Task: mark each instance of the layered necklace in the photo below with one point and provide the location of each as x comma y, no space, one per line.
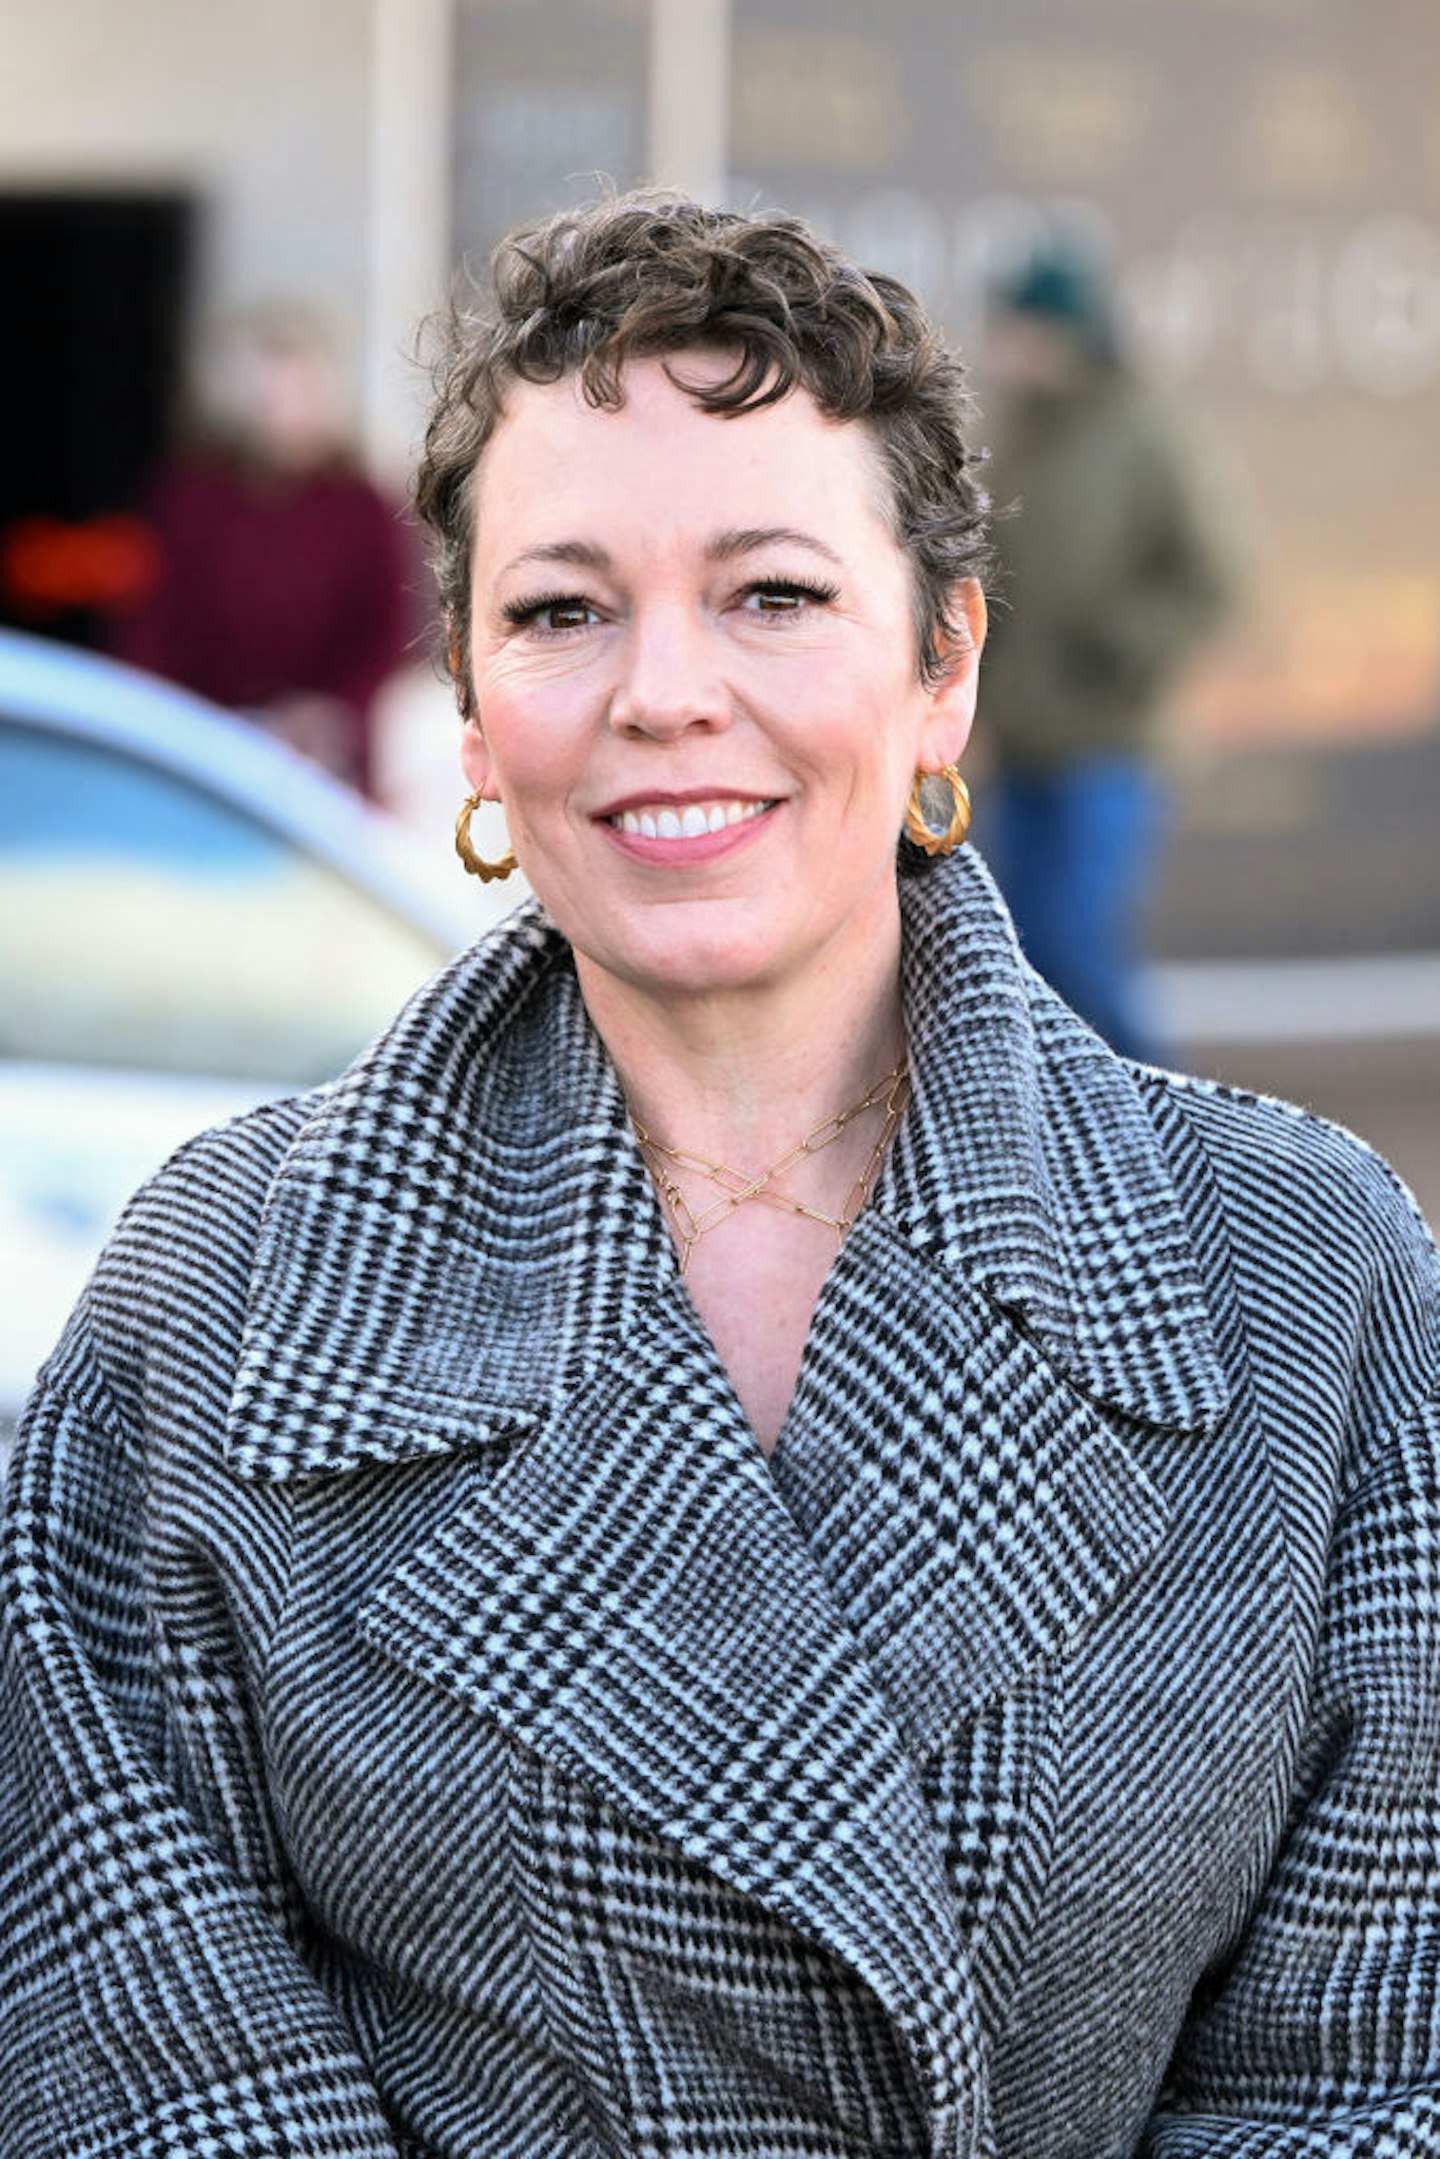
737,1188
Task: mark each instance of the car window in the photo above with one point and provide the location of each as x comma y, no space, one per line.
148,923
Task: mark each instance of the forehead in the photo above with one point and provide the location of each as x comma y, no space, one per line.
554,457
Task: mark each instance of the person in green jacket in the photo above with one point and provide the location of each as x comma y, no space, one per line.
1112,576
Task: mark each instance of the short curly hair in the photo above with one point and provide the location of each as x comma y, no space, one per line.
650,273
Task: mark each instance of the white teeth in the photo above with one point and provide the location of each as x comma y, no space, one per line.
690,822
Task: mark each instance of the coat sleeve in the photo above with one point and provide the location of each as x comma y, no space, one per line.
1321,2037
153,1993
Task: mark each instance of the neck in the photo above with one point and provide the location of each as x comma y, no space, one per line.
742,1075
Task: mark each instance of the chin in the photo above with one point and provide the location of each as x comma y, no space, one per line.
694,962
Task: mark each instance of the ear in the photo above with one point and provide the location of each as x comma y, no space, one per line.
952,700
476,762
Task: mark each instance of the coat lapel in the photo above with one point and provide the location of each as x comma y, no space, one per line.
629,1598
970,1509
1029,1165
461,1230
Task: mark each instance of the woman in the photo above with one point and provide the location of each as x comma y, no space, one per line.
740,1542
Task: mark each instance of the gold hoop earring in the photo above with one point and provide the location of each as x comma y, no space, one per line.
937,815
476,864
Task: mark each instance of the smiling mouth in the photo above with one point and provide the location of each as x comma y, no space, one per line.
688,822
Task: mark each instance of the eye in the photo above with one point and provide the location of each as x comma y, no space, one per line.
784,596
551,613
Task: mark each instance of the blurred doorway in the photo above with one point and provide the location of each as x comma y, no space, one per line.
95,287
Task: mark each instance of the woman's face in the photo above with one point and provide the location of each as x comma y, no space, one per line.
695,677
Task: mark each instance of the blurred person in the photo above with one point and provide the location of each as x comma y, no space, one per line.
1112,574
743,1541
285,583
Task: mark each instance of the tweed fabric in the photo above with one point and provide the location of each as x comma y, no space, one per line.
430,1728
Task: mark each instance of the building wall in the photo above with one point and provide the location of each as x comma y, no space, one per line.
262,110
313,133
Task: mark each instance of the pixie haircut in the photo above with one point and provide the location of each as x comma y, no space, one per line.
646,274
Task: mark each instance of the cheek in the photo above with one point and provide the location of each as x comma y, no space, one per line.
534,711
534,759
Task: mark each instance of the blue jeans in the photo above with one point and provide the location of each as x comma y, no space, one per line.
1073,852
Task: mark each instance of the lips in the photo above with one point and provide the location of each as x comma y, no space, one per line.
687,820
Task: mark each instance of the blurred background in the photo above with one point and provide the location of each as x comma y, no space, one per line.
1259,178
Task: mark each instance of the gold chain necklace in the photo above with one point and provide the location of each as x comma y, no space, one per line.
738,1188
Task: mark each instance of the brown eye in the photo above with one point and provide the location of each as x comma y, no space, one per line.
565,615
784,596
550,613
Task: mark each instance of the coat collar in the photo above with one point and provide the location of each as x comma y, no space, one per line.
1030,1165
463,1227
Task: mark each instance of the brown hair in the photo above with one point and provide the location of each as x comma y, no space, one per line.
650,273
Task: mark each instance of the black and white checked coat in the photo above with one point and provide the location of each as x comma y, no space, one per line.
430,1726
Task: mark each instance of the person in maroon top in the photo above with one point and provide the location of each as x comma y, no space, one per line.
285,588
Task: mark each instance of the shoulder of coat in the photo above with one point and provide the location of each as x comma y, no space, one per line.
1291,1172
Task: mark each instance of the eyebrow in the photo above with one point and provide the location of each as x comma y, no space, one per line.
749,539
724,547
582,554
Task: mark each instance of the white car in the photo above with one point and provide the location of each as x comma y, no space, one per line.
191,919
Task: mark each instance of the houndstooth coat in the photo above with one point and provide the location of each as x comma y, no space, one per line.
431,1727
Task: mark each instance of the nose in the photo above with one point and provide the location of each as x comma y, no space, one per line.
670,676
